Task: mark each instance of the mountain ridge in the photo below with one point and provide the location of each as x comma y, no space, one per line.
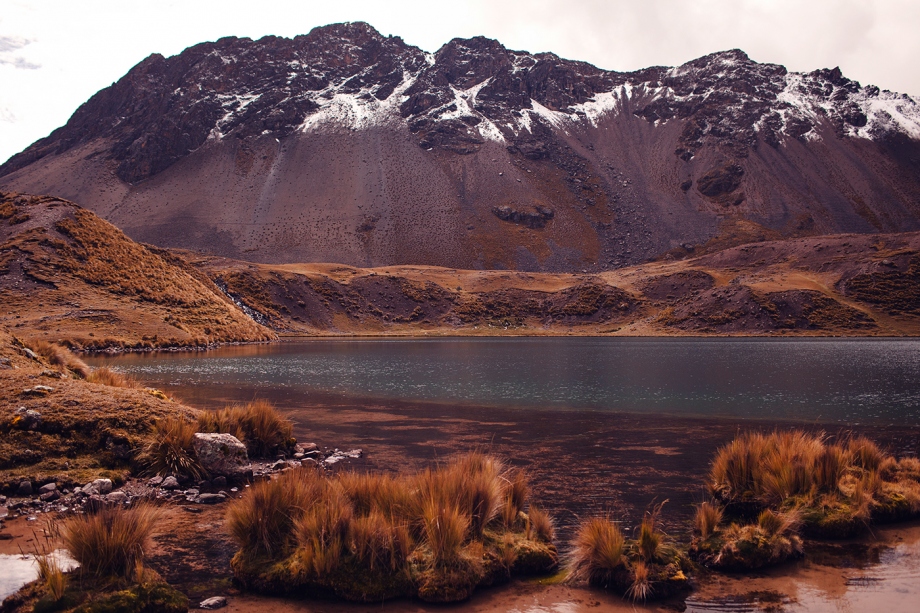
337,141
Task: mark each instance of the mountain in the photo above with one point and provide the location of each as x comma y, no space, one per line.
347,146
67,276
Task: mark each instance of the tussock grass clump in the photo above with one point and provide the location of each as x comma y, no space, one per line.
263,522
839,488
436,534
52,576
61,357
258,424
540,525
640,569
107,376
707,519
171,449
112,543
771,539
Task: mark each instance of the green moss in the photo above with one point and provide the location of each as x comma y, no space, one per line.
145,598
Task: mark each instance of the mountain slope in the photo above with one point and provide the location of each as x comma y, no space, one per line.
347,146
848,285
68,276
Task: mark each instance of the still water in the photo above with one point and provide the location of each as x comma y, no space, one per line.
840,382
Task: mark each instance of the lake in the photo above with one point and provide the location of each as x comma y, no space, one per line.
601,425
831,381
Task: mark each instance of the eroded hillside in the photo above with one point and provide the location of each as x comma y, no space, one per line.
846,284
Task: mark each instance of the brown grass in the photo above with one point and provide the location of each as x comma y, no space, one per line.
540,525
61,357
107,376
445,531
258,424
52,576
707,519
171,449
263,522
111,543
598,550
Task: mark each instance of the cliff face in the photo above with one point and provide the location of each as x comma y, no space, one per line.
347,146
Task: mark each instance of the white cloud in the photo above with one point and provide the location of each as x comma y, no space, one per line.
8,44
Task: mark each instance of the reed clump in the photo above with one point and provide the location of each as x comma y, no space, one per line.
836,489
437,534
643,568
258,424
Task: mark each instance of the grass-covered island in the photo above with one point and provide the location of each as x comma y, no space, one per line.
436,535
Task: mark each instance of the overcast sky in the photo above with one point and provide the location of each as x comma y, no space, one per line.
55,54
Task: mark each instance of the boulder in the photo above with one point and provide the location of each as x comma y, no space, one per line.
169,483
222,455
48,487
98,486
25,488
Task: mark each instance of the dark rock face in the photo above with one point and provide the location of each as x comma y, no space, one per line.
263,147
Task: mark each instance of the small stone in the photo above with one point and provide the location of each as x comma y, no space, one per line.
155,481
50,496
219,482
170,483
117,497
25,488
43,388
211,498
305,447
29,353
216,602
48,487
192,492
26,419
298,456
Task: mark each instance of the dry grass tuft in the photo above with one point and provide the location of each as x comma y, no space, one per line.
445,531
379,543
263,522
61,357
258,424
52,576
111,543
707,519
107,376
540,525
171,450
598,550
641,587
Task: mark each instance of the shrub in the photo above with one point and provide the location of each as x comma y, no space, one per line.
171,450
112,542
